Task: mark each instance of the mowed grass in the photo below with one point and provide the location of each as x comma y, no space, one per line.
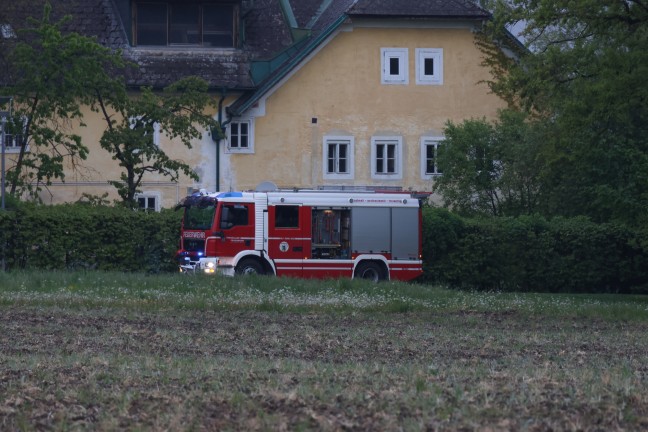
112,351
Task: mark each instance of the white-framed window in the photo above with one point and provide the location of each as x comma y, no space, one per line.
240,136
429,66
12,139
148,201
386,158
338,162
136,122
394,66
429,157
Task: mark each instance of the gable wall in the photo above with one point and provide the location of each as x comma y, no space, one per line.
341,87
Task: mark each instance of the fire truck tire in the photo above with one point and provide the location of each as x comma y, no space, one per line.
249,266
370,270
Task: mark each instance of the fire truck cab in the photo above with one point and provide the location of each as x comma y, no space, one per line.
312,234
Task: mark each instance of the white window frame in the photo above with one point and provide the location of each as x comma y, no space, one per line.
156,130
349,141
250,145
402,56
13,148
398,155
436,54
146,196
426,141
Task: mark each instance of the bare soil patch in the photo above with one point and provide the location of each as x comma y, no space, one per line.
241,370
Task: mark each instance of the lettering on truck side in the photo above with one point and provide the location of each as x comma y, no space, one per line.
194,235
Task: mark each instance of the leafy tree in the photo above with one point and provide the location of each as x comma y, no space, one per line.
585,76
131,122
491,168
55,74
49,70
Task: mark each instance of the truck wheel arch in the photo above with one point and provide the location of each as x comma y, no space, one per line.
262,259
371,269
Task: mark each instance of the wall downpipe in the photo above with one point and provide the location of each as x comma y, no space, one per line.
221,135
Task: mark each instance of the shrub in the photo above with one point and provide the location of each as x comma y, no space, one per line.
528,253
89,237
531,253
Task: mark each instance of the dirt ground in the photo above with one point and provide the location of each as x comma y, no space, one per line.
241,370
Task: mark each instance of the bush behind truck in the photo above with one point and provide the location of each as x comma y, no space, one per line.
509,254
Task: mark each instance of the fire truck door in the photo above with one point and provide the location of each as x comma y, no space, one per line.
289,238
236,229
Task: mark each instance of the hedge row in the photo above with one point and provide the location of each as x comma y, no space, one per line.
88,237
509,254
534,254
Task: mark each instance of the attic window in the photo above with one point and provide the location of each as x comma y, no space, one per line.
6,31
206,24
429,66
394,66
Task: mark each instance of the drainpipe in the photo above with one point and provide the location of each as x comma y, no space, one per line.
223,127
222,131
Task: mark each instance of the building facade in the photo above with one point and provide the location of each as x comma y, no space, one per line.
312,93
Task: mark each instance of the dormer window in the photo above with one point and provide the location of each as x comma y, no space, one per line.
173,23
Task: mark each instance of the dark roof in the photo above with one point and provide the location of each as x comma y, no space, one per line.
417,8
267,35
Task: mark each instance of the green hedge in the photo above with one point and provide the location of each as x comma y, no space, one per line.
534,254
88,237
509,254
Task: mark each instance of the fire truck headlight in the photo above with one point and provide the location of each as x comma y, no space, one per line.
210,265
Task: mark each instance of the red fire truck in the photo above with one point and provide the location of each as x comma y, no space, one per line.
312,234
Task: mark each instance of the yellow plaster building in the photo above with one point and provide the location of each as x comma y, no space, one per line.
313,93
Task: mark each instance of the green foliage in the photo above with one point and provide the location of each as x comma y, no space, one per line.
491,169
50,71
528,253
178,113
89,237
56,73
533,254
586,77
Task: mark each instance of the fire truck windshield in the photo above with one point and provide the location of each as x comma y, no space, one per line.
199,213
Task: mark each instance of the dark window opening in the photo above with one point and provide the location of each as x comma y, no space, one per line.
332,157
386,158
234,215
239,135
338,158
342,162
394,66
177,23
287,216
146,203
428,66
431,159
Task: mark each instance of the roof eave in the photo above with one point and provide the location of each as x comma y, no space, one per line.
423,17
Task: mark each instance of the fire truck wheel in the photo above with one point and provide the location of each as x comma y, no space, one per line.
370,271
249,266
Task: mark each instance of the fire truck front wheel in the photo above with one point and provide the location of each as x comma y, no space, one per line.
249,266
370,270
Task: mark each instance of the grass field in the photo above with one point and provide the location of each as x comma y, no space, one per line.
111,351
